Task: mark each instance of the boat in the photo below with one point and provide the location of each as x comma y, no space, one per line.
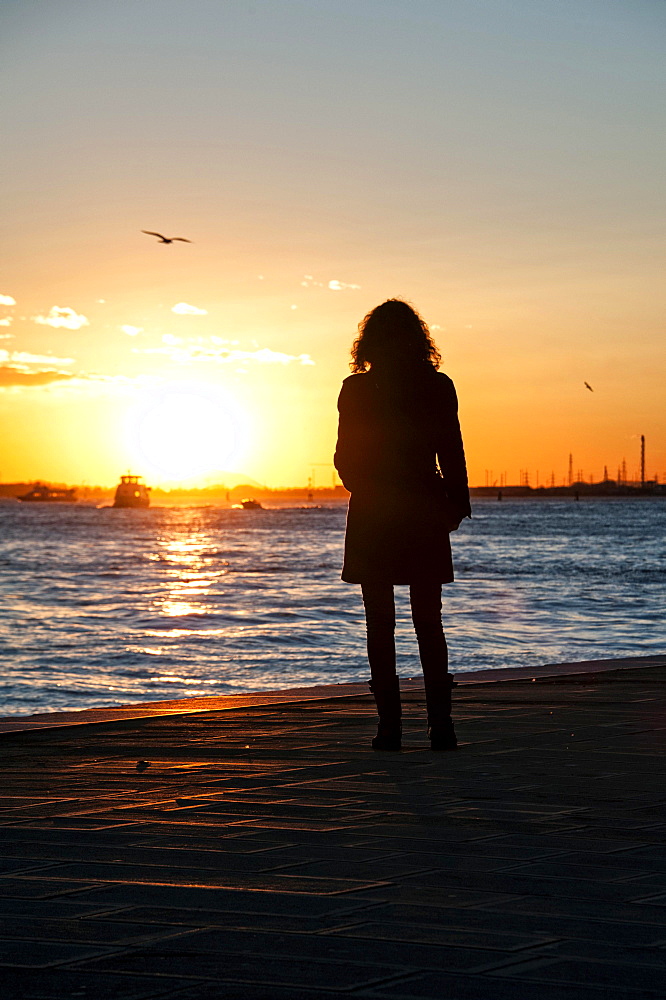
48,494
248,504
131,492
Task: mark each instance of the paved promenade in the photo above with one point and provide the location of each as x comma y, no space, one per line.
266,853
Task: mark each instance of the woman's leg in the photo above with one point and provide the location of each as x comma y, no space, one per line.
380,623
426,601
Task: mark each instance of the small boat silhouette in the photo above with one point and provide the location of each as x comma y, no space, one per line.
248,504
47,494
131,492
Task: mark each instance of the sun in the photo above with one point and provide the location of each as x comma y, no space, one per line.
184,432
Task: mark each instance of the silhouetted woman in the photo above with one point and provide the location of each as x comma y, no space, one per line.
400,454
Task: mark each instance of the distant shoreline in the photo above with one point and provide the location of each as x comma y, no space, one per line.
610,489
220,495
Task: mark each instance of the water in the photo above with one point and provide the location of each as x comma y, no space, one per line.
105,607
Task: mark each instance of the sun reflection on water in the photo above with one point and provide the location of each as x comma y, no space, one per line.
185,552
176,609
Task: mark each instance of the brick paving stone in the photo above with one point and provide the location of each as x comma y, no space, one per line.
656,881
529,864
238,919
264,970
115,932
651,900
41,888
563,844
70,824
506,882
59,908
329,947
631,912
238,900
645,981
556,925
229,845
36,953
474,851
444,936
455,831
327,853
604,951
382,871
654,854
427,897
14,866
237,991
620,871
275,882
438,986
12,837
67,984
146,857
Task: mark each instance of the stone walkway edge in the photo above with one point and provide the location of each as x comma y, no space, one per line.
128,714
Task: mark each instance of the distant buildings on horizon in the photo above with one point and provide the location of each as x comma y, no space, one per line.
606,487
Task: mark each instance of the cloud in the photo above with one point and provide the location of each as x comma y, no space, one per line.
180,351
183,309
17,376
340,286
14,370
24,358
131,331
7,300
7,336
334,285
268,357
62,316
6,321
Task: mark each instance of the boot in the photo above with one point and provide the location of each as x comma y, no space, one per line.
440,725
387,698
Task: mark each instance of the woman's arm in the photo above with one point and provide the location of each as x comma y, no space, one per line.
450,451
347,459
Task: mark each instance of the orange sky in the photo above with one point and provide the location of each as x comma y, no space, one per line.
499,164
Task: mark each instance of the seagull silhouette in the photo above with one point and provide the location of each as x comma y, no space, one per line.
166,239
588,386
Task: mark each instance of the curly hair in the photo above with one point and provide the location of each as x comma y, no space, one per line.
393,332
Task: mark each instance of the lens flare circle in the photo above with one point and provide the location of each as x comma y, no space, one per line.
185,432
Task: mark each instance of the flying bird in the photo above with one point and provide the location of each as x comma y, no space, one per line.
166,239
588,386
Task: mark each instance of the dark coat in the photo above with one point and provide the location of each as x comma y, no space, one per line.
393,432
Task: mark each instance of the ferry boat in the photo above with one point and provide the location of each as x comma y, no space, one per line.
48,494
248,504
131,492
